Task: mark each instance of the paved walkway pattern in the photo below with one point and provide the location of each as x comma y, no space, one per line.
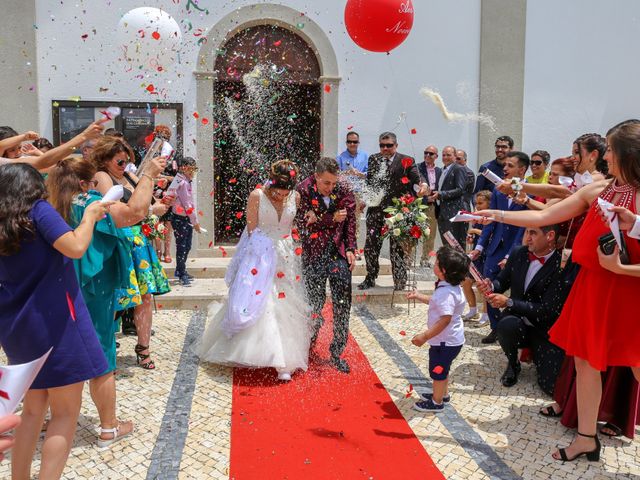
183,410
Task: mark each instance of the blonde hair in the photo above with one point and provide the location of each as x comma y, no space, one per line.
63,183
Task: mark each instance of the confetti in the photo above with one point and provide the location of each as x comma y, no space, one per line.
239,215
72,308
233,180
254,271
403,333
438,369
278,43
413,131
298,251
327,88
281,295
314,235
406,163
84,37
404,180
196,115
150,88
280,274
210,244
258,292
205,121
156,35
409,391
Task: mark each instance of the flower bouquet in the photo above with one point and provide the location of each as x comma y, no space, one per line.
405,220
153,228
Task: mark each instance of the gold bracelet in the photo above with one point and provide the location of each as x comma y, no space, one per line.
148,176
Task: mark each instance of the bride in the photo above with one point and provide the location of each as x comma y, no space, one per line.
265,322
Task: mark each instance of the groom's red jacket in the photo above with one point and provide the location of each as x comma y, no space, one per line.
317,236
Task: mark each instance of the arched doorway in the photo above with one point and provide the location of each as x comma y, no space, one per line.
267,104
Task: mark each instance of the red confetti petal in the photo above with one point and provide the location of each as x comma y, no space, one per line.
432,253
281,295
200,213
239,214
224,252
403,333
404,180
156,35
313,235
205,121
154,110
84,37
233,180
149,138
150,87
297,278
278,43
298,251
228,227
159,305
179,210
406,162
280,274
258,292
350,127
314,202
292,173
189,211
254,271
327,88
413,131
438,369
259,185
211,244
196,115
72,308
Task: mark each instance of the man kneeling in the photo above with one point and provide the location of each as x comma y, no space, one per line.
533,274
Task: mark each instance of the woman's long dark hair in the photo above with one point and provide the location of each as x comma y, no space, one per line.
591,142
624,140
20,186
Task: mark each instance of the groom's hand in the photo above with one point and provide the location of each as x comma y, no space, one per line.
351,258
310,217
340,215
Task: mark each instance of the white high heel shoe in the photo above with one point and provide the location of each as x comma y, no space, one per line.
284,376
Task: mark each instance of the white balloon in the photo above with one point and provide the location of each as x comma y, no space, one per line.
149,38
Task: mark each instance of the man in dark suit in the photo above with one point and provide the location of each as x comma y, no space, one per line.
429,175
449,197
327,222
391,174
503,146
497,239
533,275
461,159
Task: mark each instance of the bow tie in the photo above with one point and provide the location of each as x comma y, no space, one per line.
533,258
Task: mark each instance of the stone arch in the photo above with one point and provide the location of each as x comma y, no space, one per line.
205,75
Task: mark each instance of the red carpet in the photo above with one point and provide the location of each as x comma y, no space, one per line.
322,425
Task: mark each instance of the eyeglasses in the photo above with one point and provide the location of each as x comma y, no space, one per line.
355,142
387,145
429,153
502,147
120,163
536,162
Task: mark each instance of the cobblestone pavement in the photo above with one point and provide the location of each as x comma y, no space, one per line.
489,431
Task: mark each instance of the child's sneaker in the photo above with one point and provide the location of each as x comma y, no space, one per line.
484,319
429,396
428,406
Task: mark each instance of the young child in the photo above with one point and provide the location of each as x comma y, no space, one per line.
445,330
184,218
483,200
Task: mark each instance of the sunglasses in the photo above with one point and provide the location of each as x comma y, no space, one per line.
121,162
429,153
536,162
387,145
353,141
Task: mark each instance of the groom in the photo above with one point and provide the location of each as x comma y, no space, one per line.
326,219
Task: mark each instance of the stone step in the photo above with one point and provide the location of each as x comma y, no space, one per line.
206,290
216,267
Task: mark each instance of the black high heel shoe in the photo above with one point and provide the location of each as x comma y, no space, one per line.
140,357
592,456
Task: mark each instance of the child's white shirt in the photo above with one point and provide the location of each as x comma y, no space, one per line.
447,300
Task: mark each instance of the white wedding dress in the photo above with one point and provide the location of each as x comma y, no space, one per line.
280,334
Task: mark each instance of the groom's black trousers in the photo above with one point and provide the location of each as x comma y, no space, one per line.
334,267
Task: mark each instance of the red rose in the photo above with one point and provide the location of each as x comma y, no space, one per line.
415,231
405,210
404,180
407,162
146,230
384,230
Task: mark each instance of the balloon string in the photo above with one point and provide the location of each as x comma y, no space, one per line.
403,115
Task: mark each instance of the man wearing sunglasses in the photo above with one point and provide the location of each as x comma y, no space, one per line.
389,175
429,174
353,163
503,146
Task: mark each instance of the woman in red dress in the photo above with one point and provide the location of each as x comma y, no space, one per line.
598,323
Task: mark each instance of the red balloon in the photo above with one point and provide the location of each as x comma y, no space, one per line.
378,25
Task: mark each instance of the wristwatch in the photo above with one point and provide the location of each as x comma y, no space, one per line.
509,303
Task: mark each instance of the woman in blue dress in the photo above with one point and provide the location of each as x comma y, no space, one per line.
41,308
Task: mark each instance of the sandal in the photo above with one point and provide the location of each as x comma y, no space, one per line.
168,259
104,443
140,357
549,411
592,455
617,431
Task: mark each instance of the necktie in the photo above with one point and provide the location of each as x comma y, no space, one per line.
533,258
